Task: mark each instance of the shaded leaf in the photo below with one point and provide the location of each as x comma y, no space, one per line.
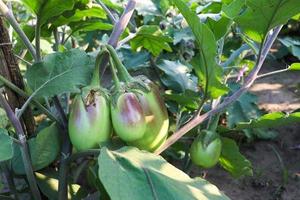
44,148
293,45
151,38
60,72
48,184
6,148
245,109
269,14
143,175
233,161
176,76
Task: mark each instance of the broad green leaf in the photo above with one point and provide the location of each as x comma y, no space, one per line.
263,15
293,45
270,120
207,70
233,8
219,27
295,66
188,99
46,9
48,184
233,161
151,38
177,76
132,174
60,72
79,15
6,148
44,149
90,25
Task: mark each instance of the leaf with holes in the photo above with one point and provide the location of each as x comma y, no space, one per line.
132,174
60,72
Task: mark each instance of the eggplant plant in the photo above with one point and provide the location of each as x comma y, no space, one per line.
115,90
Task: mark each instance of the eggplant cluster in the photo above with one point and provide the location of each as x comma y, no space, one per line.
134,110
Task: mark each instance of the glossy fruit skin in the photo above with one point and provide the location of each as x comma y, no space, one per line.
128,117
205,151
89,125
156,116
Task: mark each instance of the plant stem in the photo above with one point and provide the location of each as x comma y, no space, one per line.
90,152
38,40
24,148
11,19
109,13
114,74
66,152
272,73
125,76
248,82
10,180
122,23
23,94
96,75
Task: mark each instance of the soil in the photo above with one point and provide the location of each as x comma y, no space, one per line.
276,164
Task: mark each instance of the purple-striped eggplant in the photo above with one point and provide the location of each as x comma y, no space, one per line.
128,117
154,111
89,121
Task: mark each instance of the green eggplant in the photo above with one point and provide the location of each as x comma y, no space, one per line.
89,121
128,117
156,116
153,107
206,149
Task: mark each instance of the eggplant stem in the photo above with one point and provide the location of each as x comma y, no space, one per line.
124,75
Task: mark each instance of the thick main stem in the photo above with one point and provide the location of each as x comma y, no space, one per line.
24,148
198,119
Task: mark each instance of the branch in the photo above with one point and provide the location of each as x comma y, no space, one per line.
4,10
23,94
122,23
248,82
24,148
273,73
118,30
66,152
109,13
